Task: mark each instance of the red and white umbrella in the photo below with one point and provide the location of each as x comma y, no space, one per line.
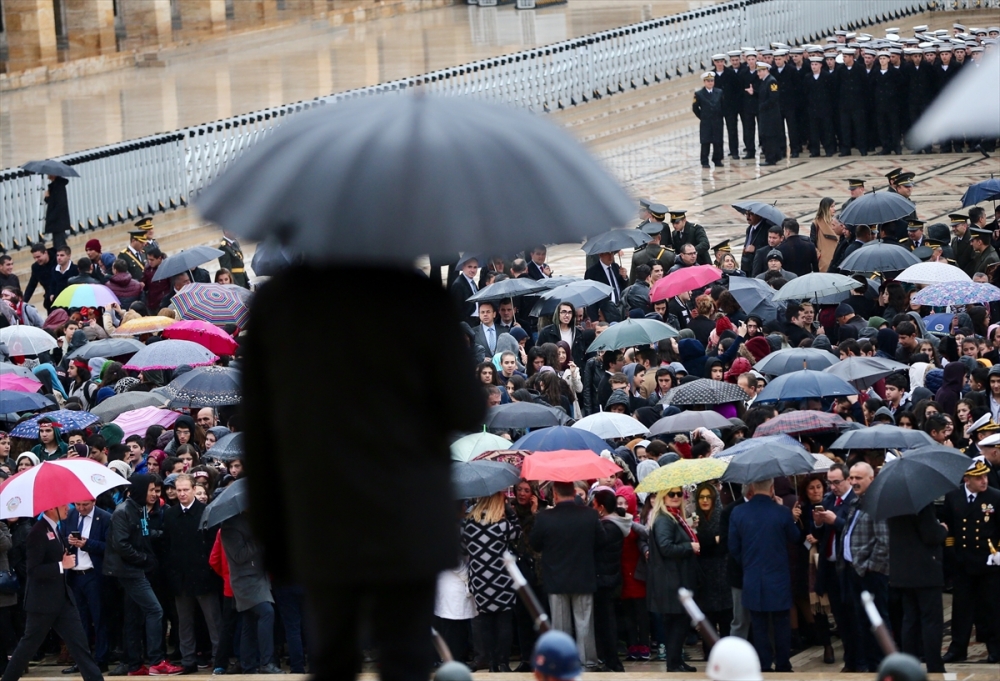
54,483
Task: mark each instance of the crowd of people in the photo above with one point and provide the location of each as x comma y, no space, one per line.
787,97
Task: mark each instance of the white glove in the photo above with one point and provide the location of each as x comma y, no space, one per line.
994,559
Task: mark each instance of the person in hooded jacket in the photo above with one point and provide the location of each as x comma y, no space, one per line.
608,560
123,285
950,391
692,354
635,548
886,343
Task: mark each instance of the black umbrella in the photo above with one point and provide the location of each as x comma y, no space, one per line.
184,261
773,461
50,167
760,209
704,391
864,372
227,448
231,501
270,258
915,479
688,421
315,180
882,436
877,208
107,347
474,479
615,240
114,406
508,288
211,386
524,415
795,359
877,256
578,294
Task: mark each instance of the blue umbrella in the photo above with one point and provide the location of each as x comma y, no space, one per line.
270,258
956,293
800,385
987,190
939,323
15,400
561,437
67,420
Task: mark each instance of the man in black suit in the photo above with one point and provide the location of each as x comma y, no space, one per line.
48,599
756,239
86,531
970,513
608,272
769,121
463,287
568,536
708,107
832,520
799,253
537,268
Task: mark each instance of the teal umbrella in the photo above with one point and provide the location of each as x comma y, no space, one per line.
469,447
631,333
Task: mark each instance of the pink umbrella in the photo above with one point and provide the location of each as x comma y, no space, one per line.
204,334
19,383
136,422
685,279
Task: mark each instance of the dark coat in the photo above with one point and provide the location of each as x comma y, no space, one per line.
759,534
729,83
597,272
713,593
129,551
708,107
734,571
671,566
460,291
971,529
789,88
691,234
816,93
550,334
247,575
41,275
887,88
852,85
47,589
799,255
57,207
96,544
187,549
758,240
429,400
608,560
769,108
915,550
748,78
568,536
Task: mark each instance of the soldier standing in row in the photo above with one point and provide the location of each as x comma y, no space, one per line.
727,80
749,84
708,107
852,89
772,130
886,85
789,83
816,89
232,259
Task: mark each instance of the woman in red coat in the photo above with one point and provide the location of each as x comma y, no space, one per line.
634,552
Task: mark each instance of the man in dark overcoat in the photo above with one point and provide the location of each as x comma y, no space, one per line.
772,129
708,107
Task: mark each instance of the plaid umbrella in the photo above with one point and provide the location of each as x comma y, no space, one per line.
205,387
800,422
170,354
64,419
956,293
214,303
682,473
137,421
115,405
143,325
704,391
85,295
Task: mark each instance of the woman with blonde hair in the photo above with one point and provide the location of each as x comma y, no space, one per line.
491,528
825,232
673,546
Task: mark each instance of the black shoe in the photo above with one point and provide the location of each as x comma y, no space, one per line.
682,667
828,657
993,659
705,165
749,157
769,163
735,157
524,667
953,657
120,670
864,153
270,668
72,669
847,670
813,155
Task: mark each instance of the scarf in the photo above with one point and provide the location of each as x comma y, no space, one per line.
679,517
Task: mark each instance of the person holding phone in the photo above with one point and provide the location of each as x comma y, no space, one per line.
88,531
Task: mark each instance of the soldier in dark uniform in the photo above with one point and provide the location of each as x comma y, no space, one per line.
146,225
749,86
970,513
728,82
684,232
917,90
961,243
790,94
914,238
819,108
857,189
901,183
772,130
132,254
708,106
985,254
886,88
654,251
232,259
939,240
852,97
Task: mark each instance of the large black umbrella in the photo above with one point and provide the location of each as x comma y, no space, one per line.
211,386
107,347
762,463
185,261
882,436
915,479
864,372
474,479
332,183
270,258
508,288
877,208
578,293
878,256
760,209
50,167
795,359
231,501
524,415
615,240
704,391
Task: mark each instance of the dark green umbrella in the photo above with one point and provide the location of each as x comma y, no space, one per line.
474,479
631,333
232,501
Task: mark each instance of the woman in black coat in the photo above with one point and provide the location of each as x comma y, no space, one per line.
673,546
57,211
713,595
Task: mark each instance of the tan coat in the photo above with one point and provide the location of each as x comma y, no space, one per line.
826,242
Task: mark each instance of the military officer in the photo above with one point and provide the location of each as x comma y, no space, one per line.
901,183
819,107
232,259
643,213
914,238
749,86
887,88
772,129
653,251
133,253
970,513
857,189
684,232
789,84
708,107
728,81
852,92
146,225
985,254
960,243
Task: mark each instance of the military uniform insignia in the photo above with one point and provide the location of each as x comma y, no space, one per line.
987,511
774,87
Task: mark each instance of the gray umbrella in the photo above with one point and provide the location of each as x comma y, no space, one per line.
170,354
524,415
474,479
918,477
864,372
205,387
631,333
763,463
270,258
794,359
750,292
764,210
50,167
877,208
16,369
615,240
688,421
509,288
436,160
816,285
186,260
231,501
111,408
882,436
578,293
228,447
107,347
877,256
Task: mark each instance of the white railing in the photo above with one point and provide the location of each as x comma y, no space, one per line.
120,182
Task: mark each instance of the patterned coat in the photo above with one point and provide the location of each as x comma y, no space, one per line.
485,546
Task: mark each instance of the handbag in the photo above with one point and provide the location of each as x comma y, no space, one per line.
9,583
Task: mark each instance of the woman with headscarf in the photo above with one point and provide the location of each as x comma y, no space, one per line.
713,593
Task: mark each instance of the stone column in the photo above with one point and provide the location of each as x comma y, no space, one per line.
147,20
204,15
90,26
31,31
255,12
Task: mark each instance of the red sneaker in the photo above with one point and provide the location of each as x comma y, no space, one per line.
141,671
165,669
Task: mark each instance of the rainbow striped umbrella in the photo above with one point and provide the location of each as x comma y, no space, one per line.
85,295
217,304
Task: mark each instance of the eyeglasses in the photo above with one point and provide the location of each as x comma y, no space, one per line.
704,496
675,495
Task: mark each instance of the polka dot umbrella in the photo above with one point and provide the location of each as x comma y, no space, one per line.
217,304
